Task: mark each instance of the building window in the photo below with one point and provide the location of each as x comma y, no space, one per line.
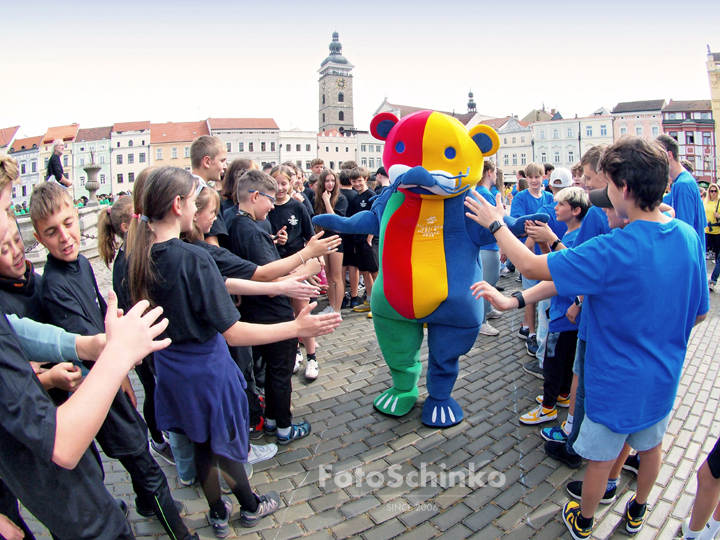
187,151
504,140
556,133
371,163
82,181
522,139
542,133
33,165
131,158
119,159
158,153
241,147
707,141
323,118
514,159
341,116
378,149
287,147
65,161
363,162
689,137
24,191
523,159
337,149
347,149
307,165
143,143
674,135
623,130
514,139
82,162
251,147
22,168
569,132
297,147
571,156
506,160
229,147
173,153
671,116
307,149
655,131
543,157
130,143
262,146
118,144
131,177
638,131
102,159
323,99
341,98
46,162
102,180
556,158
588,131
363,147
603,131
327,149
141,157
378,162
120,178
272,146
299,164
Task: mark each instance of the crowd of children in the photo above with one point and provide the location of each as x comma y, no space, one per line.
229,256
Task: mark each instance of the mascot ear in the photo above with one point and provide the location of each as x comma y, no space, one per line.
486,138
382,124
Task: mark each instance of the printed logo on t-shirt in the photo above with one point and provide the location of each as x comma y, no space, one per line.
293,220
363,203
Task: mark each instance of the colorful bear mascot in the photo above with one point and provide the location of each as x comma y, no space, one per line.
428,255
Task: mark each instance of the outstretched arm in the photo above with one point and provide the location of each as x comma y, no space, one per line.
366,222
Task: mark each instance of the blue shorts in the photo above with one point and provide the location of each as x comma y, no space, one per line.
597,442
527,283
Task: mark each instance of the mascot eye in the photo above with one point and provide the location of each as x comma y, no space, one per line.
450,152
400,147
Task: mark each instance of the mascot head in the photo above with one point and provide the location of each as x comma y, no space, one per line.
451,156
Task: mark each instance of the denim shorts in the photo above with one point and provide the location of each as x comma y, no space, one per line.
597,442
527,283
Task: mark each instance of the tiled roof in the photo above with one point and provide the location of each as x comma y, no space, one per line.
639,106
94,134
704,105
177,132
25,144
496,123
406,109
716,56
242,123
66,133
536,115
121,127
7,134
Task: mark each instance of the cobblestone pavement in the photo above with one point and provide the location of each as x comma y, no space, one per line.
492,389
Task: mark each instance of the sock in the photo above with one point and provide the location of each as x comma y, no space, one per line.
568,425
311,356
523,327
218,510
531,335
270,423
692,535
563,396
584,522
612,484
636,510
714,526
284,431
356,298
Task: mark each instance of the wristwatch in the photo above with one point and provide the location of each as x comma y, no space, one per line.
495,226
520,299
554,244
577,301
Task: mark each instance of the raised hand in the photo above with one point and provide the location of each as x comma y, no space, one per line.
309,325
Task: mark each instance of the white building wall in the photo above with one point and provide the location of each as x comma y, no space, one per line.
299,147
82,157
334,150
262,146
370,151
28,161
129,155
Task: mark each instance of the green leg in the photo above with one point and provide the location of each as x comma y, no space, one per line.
400,343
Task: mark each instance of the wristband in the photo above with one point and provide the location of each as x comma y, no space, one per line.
521,301
303,260
577,301
554,244
495,226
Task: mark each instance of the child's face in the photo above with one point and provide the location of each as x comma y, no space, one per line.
564,212
298,181
359,184
217,166
206,217
284,187
12,253
4,207
329,182
535,182
264,202
594,179
60,233
317,168
188,210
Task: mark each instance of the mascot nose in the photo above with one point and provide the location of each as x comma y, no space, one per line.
417,176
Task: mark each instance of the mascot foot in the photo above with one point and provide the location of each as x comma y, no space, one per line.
441,413
396,402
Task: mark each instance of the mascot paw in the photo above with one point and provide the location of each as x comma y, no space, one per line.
517,225
441,413
396,402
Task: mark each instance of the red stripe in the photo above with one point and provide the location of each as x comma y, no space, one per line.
397,251
410,132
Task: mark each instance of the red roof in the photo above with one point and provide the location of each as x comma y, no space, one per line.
121,127
242,123
94,134
703,105
177,132
7,134
25,144
496,123
65,133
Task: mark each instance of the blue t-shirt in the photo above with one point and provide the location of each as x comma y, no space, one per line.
644,285
489,197
560,304
685,200
524,203
558,227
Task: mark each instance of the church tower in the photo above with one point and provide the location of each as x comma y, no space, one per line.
336,90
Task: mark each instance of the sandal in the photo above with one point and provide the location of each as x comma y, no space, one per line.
297,431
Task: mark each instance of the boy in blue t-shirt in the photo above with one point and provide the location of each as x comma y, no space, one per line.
631,376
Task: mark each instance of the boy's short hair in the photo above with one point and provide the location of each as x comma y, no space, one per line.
46,199
312,179
534,169
592,156
688,166
357,173
348,165
204,145
641,166
254,180
317,161
344,177
577,169
548,167
670,145
9,172
576,197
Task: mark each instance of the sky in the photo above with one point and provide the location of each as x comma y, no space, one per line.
97,63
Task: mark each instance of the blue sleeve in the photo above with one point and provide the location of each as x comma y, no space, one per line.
593,225
581,270
685,205
517,208
44,342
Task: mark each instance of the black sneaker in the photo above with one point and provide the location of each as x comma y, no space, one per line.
558,451
523,333
163,450
632,464
575,491
346,301
149,512
533,368
531,345
267,504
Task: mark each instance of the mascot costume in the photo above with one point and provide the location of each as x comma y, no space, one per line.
428,255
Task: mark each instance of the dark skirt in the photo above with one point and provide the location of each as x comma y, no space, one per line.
201,392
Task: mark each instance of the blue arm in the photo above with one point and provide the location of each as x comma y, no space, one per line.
44,342
481,236
366,222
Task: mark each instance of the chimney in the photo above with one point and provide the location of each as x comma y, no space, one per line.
552,112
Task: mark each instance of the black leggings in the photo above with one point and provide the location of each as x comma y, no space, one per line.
147,379
207,463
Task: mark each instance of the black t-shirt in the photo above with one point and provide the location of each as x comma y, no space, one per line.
308,203
219,229
295,218
360,203
71,503
310,194
22,297
250,240
229,264
349,193
120,285
191,291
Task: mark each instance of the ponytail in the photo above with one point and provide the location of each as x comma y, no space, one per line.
110,223
137,206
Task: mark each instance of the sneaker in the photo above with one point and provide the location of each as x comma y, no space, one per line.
487,330
531,345
518,279
298,360
260,453
270,431
311,371
524,332
494,314
327,311
555,433
538,416
504,271
354,302
712,286
369,315
187,483
221,526
705,534
256,431
150,512
267,504
163,450
362,308
346,301
632,464
633,524
297,431
563,402
558,451
533,368
575,491
571,512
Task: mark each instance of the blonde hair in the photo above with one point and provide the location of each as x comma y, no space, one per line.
534,169
576,197
9,172
205,145
206,197
46,199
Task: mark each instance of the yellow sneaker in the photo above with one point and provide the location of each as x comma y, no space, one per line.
539,415
362,308
561,401
369,315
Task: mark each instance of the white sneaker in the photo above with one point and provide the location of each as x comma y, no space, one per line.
312,371
327,310
298,360
260,453
487,330
494,314
504,271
